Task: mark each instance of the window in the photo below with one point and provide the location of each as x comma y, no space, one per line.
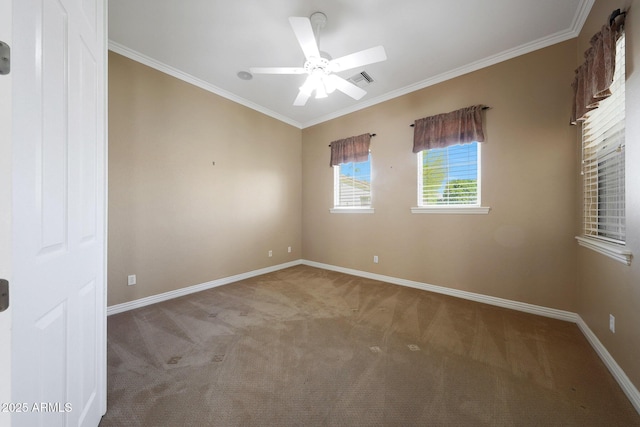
352,185
449,177
603,165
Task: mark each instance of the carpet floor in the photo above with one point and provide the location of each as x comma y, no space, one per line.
310,347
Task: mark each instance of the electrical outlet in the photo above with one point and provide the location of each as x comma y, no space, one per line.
270,254
612,323
375,259
131,279
289,249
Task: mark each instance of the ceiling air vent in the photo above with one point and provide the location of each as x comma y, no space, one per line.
361,79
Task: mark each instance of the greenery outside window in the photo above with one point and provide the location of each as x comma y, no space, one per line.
449,175
449,179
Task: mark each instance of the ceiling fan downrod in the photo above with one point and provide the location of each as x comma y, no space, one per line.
318,22
320,68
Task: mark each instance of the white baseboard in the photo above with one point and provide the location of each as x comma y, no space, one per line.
500,302
623,380
625,383
142,302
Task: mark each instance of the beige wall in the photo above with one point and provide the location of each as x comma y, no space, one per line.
604,285
177,220
523,250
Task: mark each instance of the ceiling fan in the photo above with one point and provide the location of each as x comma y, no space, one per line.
319,67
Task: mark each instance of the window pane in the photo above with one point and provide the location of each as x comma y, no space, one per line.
603,165
449,176
611,209
353,186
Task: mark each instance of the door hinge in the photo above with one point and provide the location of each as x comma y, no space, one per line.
4,295
5,58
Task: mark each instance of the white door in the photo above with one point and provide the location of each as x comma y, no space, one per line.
59,157
5,214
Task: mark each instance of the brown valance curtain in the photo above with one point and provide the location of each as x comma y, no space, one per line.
352,149
594,77
457,127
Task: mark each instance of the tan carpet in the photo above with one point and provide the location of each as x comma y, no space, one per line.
309,347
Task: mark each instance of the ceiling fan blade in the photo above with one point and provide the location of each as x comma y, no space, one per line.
364,57
347,87
301,99
304,33
277,70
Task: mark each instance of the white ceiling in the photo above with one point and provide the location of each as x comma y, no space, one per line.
207,42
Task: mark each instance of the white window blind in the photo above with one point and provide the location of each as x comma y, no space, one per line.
352,184
603,165
449,176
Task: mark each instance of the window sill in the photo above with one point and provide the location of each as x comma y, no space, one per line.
452,210
616,252
352,210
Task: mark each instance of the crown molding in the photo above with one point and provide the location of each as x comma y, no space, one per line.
576,26
174,72
578,21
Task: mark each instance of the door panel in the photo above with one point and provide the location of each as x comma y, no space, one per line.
5,212
58,291
88,178
52,345
51,172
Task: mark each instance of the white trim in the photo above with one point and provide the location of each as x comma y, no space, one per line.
574,31
450,209
352,210
623,380
7,144
473,210
102,369
500,302
174,72
581,16
336,185
616,252
337,208
142,302
561,36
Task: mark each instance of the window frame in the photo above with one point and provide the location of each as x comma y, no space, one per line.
469,209
595,152
363,209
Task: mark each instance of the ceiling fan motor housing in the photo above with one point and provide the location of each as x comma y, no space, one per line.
319,66
313,64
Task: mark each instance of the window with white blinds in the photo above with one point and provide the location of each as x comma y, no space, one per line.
449,176
352,184
603,165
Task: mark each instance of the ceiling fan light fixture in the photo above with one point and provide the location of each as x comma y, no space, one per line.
329,84
309,85
320,91
306,90
319,65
